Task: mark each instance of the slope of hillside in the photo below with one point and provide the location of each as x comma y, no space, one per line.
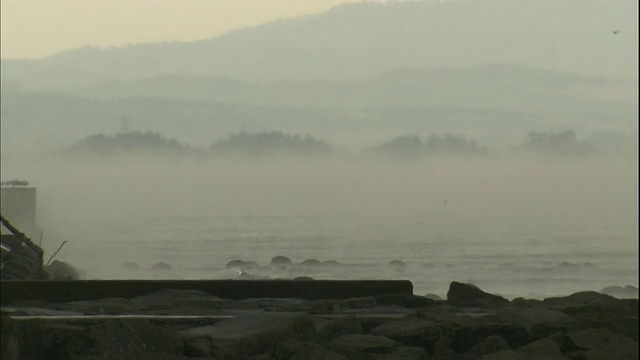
355,41
504,87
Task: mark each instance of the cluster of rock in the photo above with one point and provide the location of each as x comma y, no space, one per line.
469,324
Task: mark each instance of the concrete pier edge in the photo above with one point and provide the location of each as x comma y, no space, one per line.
75,290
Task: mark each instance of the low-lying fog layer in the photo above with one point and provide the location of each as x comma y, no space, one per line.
604,188
469,217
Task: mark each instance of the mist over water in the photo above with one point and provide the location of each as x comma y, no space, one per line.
332,137
514,225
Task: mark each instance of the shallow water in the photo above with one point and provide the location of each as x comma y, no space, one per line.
530,257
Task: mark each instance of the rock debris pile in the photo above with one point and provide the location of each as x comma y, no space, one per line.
470,324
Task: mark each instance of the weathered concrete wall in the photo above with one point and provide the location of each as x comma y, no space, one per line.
72,290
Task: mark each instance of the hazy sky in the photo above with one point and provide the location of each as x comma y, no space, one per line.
37,28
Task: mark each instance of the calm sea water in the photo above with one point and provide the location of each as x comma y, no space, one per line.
529,257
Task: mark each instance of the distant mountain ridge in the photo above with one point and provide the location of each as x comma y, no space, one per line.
506,87
364,40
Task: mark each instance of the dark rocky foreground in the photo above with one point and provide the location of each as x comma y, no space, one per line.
193,324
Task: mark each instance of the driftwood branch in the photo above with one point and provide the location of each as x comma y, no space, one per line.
54,254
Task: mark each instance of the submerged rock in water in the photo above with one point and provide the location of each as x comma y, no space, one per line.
397,264
280,261
241,264
161,266
311,262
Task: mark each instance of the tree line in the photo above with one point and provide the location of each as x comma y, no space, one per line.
264,144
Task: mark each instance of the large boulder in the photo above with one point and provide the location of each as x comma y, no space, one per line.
436,337
470,295
361,346
590,309
403,353
544,349
327,330
600,344
579,298
410,331
489,345
311,262
242,265
161,266
247,335
397,265
529,317
316,352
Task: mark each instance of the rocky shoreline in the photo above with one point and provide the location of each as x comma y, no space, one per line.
190,324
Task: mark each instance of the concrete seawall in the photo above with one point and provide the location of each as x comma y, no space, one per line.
74,290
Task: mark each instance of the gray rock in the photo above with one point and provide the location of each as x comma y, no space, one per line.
403,353
597,344
247,335
529,317
515,334
544,349
161,266
579,298
618,315
522,302
435,337
470,295
489,345
397,264
316,352
311,262
327,330
241,264
280,261
264,356
359,346
235,264
433,297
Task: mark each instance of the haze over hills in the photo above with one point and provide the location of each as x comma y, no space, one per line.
358,74
363,40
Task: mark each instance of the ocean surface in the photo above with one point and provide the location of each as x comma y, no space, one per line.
531,257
